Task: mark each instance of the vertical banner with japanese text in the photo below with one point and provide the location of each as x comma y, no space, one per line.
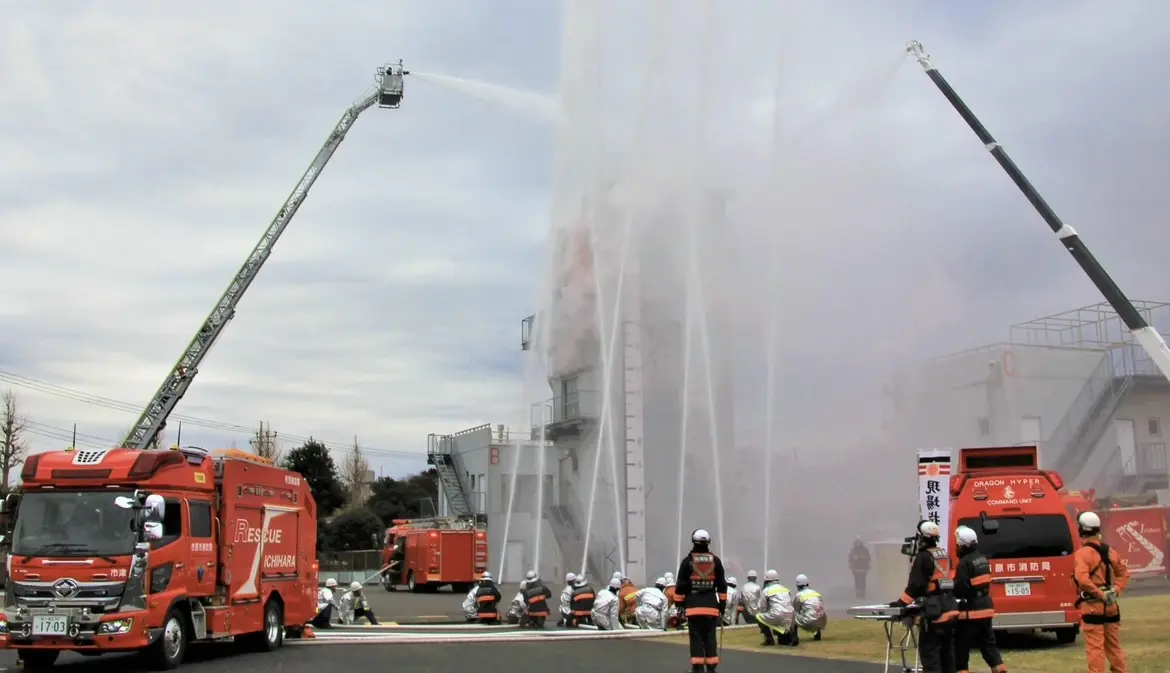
934,490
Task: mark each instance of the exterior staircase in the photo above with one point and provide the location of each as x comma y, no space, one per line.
1146,470
1085,422
447,464
571,540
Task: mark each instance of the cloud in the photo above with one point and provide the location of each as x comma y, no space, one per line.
147,148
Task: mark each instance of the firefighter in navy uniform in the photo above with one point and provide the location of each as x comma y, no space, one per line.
976,609
931,587
536,597
487,601
702,589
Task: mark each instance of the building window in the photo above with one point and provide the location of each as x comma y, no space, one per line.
1155,427
984,426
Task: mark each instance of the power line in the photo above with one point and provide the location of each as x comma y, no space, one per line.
93,441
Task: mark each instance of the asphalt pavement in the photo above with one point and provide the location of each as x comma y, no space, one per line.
559,657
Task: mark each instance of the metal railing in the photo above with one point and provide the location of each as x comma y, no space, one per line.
1102,391
362,565
1148,461
580,405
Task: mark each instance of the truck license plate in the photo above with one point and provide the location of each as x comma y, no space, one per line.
1017,589
50,625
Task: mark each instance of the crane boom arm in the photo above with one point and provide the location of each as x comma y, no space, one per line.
154,418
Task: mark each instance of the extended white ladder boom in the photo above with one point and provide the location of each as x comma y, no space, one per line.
145,433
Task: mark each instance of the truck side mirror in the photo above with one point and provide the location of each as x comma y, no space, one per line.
155,507
152,530
10,503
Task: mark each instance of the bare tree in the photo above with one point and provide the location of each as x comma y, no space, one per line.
264,443
355,474
12,442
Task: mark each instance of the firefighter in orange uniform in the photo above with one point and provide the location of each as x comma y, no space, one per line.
1101,577
628,598
931,586
702,589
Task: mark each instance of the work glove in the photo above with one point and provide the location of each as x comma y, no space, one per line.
897,604
722,607
1110,597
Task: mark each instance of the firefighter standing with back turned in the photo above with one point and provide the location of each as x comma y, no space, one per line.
976,609
1101,576
702,588
931,586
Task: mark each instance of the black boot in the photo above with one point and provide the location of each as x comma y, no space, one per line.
817,636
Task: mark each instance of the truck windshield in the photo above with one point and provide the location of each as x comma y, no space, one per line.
72,523
1029,536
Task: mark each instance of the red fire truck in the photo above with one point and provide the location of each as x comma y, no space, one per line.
1027,533
425,554
123,550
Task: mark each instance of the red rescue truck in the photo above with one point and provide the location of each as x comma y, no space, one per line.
1027,533
425,554
123,550
1138,533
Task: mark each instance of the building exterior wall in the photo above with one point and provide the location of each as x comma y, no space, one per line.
489,468
990,396
1149,411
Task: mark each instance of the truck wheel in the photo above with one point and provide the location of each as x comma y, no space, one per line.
388,582
38,660
167,653
1067,636
410,583
272,637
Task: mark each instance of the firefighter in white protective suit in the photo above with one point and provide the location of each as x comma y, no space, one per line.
470,605
567,598
516,608
354,606
729,611
749,597
777,616
810,608
651,607
326,605
607,609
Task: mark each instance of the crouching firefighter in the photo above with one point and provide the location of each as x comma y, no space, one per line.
1101,576
581,603
976,609
536,596
487,601
702,588
931,586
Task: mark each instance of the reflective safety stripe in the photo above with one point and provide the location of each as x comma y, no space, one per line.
977,614
981,580
486,599
722,597
712,661
698,661
702,612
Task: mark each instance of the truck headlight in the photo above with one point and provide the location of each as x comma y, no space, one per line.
3,626
115,626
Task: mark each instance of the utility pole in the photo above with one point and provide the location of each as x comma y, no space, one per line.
264,442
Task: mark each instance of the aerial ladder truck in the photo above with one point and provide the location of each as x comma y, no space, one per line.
387,94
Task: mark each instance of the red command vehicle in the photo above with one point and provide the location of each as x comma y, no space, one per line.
425,554
1027,533
123,550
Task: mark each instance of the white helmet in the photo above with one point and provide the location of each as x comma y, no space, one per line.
487,576
617,575
752,576
1089,524
700,536
771,576
330,582
731,581
581,580
660,582
929,529
355,586
615,584
669,576
965,537
802,580
569,577
530,575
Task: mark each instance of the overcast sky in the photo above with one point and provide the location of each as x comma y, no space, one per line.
144,148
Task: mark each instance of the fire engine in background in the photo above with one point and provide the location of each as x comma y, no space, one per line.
123,550
1138,533
1027,534
425,554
